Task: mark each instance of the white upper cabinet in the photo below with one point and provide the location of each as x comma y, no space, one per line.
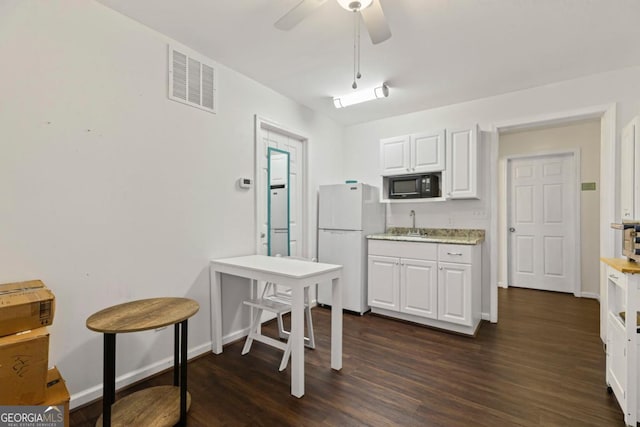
427,151
417,153
462,163
629,178
395,155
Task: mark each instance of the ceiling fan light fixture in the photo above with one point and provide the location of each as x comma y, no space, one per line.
360,96
356,5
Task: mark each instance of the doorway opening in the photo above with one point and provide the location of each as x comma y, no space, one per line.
602,124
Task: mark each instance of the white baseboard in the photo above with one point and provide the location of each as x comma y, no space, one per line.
590,295
95,392
486,316
503,285
236,335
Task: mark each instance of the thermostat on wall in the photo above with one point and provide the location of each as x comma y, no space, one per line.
245,182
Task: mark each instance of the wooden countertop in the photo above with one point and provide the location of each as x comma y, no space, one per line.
142,315
623,265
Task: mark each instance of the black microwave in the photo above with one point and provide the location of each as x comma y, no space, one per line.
414,186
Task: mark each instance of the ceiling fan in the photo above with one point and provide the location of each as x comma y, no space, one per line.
370,10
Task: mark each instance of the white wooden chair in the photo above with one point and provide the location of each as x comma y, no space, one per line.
277,300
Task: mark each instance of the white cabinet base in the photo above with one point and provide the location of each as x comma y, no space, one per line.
433,284
445,326
623,340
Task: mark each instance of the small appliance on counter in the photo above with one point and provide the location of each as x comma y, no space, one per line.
347,214
630,239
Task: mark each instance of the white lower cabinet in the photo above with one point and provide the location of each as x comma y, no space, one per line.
454,293
419,282
616,356
622,336
419,287
384,283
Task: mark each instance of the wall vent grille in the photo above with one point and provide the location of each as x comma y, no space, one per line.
191,80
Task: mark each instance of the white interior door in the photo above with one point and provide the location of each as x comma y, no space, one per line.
542,220
269,137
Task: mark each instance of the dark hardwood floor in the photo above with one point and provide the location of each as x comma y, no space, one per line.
543,364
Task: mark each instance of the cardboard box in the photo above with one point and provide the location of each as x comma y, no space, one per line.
25,306
57,393
24,358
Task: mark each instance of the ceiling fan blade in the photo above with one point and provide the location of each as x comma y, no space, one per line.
297,14
376,23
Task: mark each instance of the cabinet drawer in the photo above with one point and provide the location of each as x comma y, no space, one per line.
617,277
454,253
426,251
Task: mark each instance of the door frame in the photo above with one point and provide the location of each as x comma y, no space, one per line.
506,202
262,123
608,155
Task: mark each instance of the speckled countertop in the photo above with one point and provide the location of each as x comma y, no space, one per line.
458,236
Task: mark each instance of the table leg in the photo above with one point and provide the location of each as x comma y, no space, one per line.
176,354
297,341
336,324
108,378
183,373
253,293
216,312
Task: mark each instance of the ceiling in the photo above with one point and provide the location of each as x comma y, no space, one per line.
441,51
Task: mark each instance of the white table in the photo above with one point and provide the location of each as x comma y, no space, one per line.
297,275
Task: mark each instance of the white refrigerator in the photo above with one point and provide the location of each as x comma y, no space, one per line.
347,213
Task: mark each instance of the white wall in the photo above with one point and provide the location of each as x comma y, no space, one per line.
362,155
585,137
111,192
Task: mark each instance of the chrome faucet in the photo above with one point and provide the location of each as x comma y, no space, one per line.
413,231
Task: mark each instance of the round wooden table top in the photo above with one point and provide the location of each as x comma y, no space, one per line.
142,315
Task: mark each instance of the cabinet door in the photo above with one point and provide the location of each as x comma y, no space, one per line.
454,293
394,155
428,151
616,357
384,287
419,288
462,163
629,151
